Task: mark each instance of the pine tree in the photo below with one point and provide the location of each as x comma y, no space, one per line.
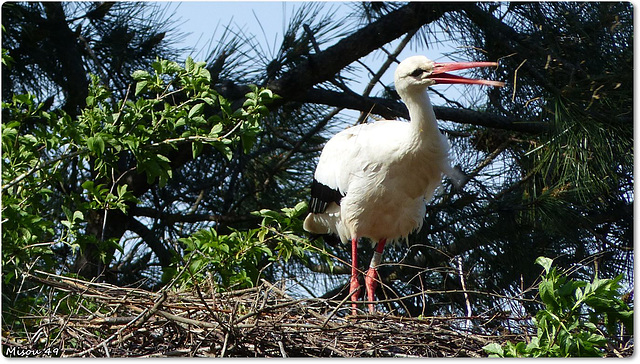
548,158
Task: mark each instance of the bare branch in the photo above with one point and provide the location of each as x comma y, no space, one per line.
392,109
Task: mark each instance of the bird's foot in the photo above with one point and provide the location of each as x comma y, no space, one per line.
371,283
354,289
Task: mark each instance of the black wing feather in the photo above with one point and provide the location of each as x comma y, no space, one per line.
321,196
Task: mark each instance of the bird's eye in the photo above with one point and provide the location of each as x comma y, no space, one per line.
417,72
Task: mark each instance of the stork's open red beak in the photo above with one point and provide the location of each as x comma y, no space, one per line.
440,75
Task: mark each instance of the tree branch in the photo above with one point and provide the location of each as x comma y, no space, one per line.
164,255
72,79
502,32
325,65
392,109
188,218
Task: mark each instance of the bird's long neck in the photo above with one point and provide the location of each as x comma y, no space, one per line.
423,120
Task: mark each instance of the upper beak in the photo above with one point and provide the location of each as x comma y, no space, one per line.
439,74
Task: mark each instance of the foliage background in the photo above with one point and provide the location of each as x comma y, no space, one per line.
122,163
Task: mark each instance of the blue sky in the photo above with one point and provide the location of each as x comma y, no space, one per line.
201,18
204,19
267,21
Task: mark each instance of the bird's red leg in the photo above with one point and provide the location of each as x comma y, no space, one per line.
354,287
371,280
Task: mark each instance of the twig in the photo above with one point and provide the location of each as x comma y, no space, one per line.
140,319
40,166
186,139
464,288
224,346
181,319
391,57
336,309
149,324
281,346
312,38
515,80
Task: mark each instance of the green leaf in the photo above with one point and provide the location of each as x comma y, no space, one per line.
494,349
569,288
225,150
163,158
247,142
215,130
209,101
300,208
518,349
140,75
170,67
196,110
534,344
96,145
30,138
547,294
545,263
196,149
189,64
180,122
87,185
204,73
266,94
224,248
249,102
78,215
141,86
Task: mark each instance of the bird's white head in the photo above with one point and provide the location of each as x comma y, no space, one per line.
418,72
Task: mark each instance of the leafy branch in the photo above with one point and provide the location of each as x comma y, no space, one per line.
87,156
579,318
235,260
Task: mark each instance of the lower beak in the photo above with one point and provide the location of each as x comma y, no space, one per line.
440,75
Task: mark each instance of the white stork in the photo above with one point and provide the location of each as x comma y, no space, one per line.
372,180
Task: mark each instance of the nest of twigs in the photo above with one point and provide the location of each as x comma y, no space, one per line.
111,321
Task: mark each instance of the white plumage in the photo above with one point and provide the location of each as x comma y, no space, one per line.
384,173
372,180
